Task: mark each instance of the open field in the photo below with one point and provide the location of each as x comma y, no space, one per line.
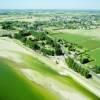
23,18
96,54
83,38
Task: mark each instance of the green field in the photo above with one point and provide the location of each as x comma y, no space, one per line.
88,42
96,54
84,41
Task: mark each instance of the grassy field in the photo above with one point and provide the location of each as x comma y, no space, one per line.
15,86
96,54
82,37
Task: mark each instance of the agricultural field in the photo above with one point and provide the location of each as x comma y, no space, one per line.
83,38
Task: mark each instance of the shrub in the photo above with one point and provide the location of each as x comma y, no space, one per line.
77,67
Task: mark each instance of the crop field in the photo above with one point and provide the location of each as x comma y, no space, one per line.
82,38
84,41
96,54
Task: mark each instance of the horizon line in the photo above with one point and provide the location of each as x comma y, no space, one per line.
44,9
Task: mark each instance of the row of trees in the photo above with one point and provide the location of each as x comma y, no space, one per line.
14,25
78,67
40,41
80,53
84,58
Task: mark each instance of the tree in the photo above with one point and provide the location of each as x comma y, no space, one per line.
58,49
48,51
35,46
84,59
29,43
78,67
7,25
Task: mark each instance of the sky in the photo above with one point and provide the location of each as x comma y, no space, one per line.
50,4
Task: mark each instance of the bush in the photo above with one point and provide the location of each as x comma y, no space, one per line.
77,67
48,51
96,69
7,35
84,60
35,46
